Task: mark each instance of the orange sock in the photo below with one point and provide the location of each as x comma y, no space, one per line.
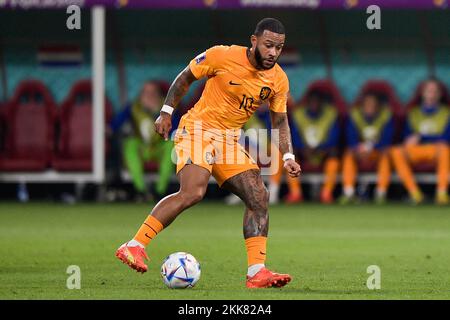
404,170
384,172
443,167
148,231
294,185
276,178
331,170
256,250
349,170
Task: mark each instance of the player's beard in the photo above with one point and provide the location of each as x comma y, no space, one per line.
260,61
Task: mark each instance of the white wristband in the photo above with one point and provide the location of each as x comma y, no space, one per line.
167,109
288,156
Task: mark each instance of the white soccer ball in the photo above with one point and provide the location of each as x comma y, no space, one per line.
180,270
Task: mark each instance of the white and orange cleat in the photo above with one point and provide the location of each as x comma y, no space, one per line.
265,278
133,256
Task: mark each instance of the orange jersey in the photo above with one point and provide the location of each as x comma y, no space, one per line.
234,89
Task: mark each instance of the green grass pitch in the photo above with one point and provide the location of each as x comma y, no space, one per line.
326,249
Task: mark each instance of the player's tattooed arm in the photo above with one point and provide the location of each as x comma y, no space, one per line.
179,87
177,90
283,141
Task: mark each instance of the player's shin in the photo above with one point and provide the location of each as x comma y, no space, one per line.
256,254
147,232
256,227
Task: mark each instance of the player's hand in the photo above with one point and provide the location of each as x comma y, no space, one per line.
364,148
163,125
292,168
412,140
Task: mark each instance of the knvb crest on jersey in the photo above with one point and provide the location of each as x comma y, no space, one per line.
209,158
265,93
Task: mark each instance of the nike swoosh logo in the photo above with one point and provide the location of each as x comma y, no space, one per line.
262,253
234,84
148,236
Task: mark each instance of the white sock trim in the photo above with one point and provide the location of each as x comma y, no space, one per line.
274,191
254,268
349,191
135,243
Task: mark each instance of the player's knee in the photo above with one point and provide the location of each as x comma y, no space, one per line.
191,197
442,147
395,150
260,200
349,152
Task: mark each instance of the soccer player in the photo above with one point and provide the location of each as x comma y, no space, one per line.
318,136
369,134
427,134
240,79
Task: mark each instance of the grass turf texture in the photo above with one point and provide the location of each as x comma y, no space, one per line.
326,249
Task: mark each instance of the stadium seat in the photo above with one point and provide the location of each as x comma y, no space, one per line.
388,96
330,92
415,100
332,96
74,151
2,126
386,92
29,135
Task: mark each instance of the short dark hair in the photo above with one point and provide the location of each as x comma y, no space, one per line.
156,83
270,24
435,80
316,94
376,95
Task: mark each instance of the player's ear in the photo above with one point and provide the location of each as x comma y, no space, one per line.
253,40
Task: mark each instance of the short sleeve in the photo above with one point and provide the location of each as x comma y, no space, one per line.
278,102
207,63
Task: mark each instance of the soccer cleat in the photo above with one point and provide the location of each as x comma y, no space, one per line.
291,198
344,200
380,198
265,278
416,198
133,257
442,198
326,197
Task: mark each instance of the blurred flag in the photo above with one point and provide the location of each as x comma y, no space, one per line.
289,57
59,56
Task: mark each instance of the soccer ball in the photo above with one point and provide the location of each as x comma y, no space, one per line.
180,270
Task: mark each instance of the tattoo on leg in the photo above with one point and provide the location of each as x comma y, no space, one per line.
249,186
255,224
